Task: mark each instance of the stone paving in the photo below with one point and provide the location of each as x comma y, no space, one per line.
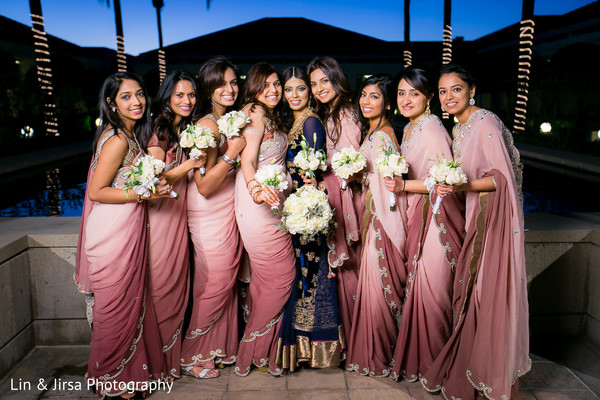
65,366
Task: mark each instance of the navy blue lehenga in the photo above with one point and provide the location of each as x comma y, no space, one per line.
311,330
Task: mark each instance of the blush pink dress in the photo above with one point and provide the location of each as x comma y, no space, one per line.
426,321
168,260
344,242
382,273
213,332
272,263
489,347
125,344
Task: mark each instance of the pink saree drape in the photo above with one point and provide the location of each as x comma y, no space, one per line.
168,261
125,343
382,274
433,245
489,346
272,265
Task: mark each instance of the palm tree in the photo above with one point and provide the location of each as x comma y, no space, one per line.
44,68
407,53
121,57
162,65
526,30
447,43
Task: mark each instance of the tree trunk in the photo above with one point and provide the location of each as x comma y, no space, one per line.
121,58
44,68
407,53
526,30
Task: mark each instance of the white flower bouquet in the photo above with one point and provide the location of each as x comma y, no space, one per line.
143,176
272,175
231,123
309,159
196,138
307,213
390,164
445,172
347,162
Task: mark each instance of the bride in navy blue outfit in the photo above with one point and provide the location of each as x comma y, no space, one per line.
311,331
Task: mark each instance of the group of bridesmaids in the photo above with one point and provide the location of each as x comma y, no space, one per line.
189,285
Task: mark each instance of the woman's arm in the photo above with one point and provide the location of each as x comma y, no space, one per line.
214,176
485,184
110,159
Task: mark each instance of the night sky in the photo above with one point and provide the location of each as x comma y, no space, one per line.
91,22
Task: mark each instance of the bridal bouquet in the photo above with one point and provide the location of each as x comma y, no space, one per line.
196,138
346,162
445,172
230,124
143,174
389,164
309,159
307,213
272,175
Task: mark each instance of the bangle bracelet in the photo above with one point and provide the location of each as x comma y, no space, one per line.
403,185
228,160
255,197
249,182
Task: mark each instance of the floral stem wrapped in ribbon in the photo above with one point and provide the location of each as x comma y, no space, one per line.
196,138
390,164
143,176
309,159
231,123
445,172
272,175
347,162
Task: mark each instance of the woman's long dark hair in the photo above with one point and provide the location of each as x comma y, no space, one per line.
385,84
254,85
110,118
211,76
163,115
340,84
287,114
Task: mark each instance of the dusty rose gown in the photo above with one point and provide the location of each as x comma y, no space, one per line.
433,245
125,343
213,333
344,244
382,274
272,263
489,347
168,261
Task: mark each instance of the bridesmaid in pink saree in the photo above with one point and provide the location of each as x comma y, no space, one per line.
433,241
489,347
382,273
212,335
168,258
272,260
125,347
332,90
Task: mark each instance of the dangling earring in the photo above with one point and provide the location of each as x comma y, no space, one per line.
114,109
471,101
427,110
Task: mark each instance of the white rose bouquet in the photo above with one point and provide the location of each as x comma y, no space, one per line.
196,138
346,162
272,175
445,172
390,164
143,176
309,159
307,213
230,124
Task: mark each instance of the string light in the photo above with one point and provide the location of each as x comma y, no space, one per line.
121,58
407,58
447,55
162,65
44,73
526,31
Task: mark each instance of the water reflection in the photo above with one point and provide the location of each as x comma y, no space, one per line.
59,191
